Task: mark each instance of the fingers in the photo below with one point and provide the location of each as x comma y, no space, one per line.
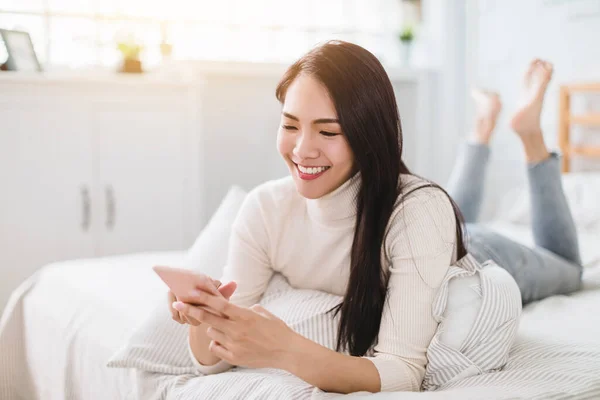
221,352
202,288
218,336
202,315
207,284
197,297
189,320
183,317
220,305
228,289
260,310
175,315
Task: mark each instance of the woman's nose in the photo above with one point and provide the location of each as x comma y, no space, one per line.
305,147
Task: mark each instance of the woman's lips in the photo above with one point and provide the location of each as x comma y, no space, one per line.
309,177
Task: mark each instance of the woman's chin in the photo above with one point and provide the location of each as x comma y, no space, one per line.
309,189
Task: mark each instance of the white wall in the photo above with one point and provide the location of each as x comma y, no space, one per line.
240,118
504,36
443,32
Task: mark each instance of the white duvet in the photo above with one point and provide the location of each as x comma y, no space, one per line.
63,324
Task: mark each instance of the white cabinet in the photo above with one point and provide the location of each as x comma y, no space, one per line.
91,170
140,176
45,179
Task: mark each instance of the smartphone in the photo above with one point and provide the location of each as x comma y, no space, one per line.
181,282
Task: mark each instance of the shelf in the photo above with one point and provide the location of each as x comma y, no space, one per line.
585,151
585,119
583,87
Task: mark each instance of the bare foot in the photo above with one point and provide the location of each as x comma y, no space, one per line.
487,108
526,120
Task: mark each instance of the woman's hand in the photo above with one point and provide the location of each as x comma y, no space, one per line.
225,290
250,337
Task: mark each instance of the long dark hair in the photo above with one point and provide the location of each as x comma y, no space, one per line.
368,114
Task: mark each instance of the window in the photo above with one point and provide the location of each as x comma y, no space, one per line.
78,33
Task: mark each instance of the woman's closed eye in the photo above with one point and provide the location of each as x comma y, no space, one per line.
324,133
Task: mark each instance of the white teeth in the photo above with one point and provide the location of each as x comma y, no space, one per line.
311,170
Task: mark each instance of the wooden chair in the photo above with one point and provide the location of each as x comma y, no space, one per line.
567,119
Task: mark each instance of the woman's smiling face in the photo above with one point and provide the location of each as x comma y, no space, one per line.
311,141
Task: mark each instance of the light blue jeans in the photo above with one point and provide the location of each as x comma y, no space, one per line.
553,266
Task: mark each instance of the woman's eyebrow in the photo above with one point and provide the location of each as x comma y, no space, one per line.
290,116
326,121
316,121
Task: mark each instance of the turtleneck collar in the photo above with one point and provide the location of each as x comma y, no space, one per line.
338,205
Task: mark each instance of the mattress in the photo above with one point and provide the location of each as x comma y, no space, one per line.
65,322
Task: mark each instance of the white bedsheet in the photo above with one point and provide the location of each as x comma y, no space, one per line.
63,324
71,317
589,240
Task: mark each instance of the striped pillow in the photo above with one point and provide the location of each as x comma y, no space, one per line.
455,353
161,345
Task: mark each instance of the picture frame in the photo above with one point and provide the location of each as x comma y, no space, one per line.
20,50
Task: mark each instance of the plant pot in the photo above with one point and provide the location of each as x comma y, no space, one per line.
131,66
405,52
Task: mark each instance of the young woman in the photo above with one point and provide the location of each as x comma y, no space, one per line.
350,220
554,266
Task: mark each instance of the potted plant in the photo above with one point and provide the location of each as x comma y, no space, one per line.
131,56
406,38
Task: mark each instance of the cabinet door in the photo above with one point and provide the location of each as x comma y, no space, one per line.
140,159
45,176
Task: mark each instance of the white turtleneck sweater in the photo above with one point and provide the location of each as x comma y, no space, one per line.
309,242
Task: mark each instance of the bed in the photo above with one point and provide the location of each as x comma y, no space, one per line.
70,317
62,325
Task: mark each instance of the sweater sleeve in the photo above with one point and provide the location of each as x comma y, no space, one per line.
247,263
420,246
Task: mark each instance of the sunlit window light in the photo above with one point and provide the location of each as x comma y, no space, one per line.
80,33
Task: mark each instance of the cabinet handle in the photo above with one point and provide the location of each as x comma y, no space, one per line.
110,207
86,208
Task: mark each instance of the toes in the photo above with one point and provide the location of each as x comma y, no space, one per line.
535,65
549,68
545,65
485,95
546,69
539,70
476,92
532,66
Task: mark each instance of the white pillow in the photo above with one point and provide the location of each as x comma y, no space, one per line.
208,254
159,344
582,191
